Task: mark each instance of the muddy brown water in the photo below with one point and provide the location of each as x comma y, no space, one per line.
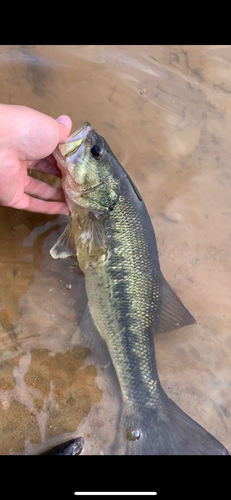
166,113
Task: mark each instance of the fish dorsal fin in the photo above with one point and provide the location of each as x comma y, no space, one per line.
93,235
65,245
173,314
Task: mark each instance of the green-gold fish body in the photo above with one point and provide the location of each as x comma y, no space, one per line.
128,297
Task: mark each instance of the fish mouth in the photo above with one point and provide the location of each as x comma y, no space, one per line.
71,153
71,147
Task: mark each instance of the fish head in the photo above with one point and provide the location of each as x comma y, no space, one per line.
88,170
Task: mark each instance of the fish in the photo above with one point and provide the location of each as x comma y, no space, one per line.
111,235
71,447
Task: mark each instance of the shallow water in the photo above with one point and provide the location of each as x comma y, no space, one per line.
166,113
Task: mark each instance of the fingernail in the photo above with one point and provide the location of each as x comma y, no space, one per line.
65,120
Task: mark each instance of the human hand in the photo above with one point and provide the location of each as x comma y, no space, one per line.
27,140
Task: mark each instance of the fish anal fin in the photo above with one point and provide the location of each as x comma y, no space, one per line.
65,245
173,314
92,339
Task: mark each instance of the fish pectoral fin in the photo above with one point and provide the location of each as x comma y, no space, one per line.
173,314
65,245
93,235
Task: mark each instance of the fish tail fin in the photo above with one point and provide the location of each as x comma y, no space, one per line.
165,430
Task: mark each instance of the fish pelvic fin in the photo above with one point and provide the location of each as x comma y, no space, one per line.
173,314
166,430
65,245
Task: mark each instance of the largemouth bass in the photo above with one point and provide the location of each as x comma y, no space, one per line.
112,236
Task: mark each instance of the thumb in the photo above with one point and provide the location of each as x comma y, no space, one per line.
65,125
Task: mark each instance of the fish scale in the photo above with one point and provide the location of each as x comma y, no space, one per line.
124,307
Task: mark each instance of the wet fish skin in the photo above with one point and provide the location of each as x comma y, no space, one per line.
128,297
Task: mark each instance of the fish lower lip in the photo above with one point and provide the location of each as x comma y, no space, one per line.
79,133
74,141
79,130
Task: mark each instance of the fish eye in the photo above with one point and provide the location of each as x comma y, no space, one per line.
96,151
136,434
133,434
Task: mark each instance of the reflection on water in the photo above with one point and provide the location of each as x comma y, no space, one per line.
166,113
